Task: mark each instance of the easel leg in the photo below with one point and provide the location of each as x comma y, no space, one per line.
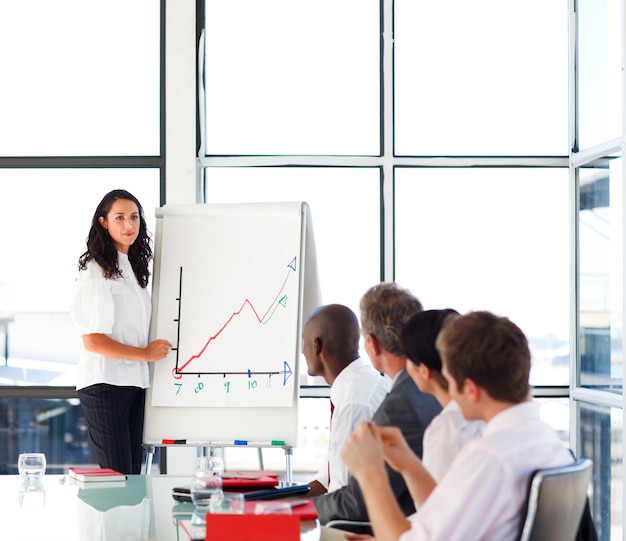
260,453
149,457
288,472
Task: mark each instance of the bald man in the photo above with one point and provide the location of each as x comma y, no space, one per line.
330,344
385,310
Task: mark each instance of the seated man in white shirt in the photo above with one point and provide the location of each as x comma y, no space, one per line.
486,361
330,344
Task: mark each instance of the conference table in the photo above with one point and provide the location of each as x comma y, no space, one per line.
139,509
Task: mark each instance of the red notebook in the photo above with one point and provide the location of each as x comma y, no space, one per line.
87,475
249,479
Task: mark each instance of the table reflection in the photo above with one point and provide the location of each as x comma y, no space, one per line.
32,493
116,511
141,508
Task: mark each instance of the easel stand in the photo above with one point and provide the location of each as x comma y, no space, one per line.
206,450
213,387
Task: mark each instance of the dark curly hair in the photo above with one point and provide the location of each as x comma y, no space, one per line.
100,247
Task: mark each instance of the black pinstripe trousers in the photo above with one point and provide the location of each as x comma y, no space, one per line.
114,417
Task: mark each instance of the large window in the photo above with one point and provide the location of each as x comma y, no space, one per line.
457,86
599,87
80,109
80,78
431,139
491,239
473,79
597,175
80,115
438,158
285,78
42,236
601,438
601,240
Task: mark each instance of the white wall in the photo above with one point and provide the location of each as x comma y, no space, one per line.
180,136
180,105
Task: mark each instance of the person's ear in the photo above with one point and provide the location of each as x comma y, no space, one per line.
426,372
102,222
472,389
374,344
317,346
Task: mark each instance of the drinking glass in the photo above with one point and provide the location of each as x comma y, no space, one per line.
203,488
207,481
31,466
213,464
228,503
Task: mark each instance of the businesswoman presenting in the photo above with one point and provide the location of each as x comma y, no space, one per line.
111,307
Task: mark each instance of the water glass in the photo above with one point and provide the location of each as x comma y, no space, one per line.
213,464
227,503
31,466
206,486
207,481
203,487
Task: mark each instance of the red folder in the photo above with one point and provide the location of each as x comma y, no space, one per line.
252,527
249,479
263,473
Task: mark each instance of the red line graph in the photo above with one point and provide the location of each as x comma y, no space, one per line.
292,268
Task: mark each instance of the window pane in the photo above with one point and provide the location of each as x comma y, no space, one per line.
292,78
493,239
555,412
601,437
347,234
45,217
55,427
600,224
79,78
599,71
481,78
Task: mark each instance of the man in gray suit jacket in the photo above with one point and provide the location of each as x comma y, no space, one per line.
385,309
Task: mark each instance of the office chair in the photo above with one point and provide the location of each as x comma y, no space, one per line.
555,502
354,526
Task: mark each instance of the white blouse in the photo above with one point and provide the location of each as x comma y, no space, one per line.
119,308
444,437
